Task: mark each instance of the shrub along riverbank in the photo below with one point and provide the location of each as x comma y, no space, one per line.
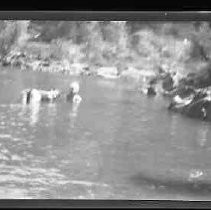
37,56
86,46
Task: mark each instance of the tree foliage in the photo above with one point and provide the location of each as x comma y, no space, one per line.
172,45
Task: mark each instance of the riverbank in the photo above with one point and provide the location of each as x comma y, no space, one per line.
128,50
32,60
39,57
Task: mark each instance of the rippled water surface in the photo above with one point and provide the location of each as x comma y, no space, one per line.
117,144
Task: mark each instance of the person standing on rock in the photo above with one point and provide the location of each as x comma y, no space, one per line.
176,78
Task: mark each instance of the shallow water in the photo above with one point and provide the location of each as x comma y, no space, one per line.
117,144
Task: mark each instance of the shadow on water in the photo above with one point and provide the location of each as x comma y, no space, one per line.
73,114
171,185
203,134
32,112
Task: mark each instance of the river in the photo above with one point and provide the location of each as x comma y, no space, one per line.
117,144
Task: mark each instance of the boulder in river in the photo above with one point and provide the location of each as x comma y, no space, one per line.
183,91
130,73
138,74
149,90
5,63
197,105
200,78
78,68
108,72
168,82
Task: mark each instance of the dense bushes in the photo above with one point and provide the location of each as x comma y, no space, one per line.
173,46
12,34
8,36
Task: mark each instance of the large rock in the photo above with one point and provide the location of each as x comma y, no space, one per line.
149,91
199,106
77,68
108,72
130,73
199,79
182,91
137,74
198,109
168,82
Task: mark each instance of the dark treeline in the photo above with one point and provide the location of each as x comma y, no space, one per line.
178,46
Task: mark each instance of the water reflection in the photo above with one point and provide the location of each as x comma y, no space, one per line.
173,125
73,114
202,134
52,113
52,109
31,110
106,83
34,113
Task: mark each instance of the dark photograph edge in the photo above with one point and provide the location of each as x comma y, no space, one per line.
200,15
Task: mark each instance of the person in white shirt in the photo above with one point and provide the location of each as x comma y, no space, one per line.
73,95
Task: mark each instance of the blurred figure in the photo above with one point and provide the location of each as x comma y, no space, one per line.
31,98
75,99
73,95
36,96
150,89
73,114
203,134
34,113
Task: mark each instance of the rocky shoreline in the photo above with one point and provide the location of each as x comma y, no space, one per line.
32,62
35,62
189,96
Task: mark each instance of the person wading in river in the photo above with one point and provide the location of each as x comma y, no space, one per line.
73,95
37,96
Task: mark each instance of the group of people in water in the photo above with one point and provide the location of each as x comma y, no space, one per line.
186,99
34,98
36,95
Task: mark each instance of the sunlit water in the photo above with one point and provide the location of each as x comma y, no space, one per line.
117,144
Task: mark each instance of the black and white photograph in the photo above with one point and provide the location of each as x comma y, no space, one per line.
105,110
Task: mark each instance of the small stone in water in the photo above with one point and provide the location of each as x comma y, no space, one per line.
195,174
